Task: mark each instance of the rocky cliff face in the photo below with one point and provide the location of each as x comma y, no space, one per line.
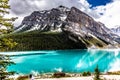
76,24
83,25
47,20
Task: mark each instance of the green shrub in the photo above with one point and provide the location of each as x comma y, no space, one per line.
86,74
89,73
59,74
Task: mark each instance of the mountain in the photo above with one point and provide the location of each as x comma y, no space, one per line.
77,25
46,20
116,30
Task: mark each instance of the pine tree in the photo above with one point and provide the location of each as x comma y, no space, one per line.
6,26
97,73
4,62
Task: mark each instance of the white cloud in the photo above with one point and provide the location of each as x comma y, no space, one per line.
110,17
28,6
111,13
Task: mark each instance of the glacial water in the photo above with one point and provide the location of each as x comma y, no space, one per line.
65,60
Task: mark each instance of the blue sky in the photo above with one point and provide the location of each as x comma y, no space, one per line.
95,3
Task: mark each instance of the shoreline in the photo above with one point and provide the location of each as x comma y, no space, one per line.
13,53
103,77
69,76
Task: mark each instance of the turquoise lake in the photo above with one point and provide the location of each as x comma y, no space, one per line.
65,60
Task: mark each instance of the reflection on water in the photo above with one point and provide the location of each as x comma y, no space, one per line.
66,61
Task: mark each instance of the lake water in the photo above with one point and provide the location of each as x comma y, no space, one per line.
65,60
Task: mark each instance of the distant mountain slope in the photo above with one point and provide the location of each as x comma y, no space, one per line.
116,30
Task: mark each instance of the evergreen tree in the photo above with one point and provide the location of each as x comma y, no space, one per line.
4,62
6,26
97,73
